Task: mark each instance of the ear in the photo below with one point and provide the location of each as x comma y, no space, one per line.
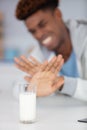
58,13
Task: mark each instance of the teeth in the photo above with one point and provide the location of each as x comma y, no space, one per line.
47,40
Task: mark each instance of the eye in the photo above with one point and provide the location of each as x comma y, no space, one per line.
43,24
32,31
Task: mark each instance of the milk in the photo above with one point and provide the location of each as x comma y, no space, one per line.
27,107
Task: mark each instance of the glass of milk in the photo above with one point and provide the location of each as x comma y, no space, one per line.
27,103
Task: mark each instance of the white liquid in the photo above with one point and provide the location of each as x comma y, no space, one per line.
27,104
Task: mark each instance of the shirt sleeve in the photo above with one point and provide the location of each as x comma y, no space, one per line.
81,89
75,87
70,85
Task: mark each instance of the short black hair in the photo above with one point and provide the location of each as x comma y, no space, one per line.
26,8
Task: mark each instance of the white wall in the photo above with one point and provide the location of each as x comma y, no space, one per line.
74,9
15,32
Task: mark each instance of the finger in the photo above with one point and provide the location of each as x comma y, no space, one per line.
56,64
24,67
30,72
29,64
21,63
34,60
59,66
43,66
27,78
18,61
24,59
59,58
50,64
20,67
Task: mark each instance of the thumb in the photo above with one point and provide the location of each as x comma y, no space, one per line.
58,83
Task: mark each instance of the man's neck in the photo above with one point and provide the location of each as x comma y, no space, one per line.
65,49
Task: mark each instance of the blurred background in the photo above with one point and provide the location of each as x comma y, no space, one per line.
15,40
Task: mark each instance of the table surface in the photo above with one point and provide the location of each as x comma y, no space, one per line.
53,113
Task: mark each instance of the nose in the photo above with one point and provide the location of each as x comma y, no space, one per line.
39,34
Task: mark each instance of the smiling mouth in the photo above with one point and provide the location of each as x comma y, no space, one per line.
47,40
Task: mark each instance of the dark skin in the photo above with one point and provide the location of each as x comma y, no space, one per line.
49,29
62,50
44,24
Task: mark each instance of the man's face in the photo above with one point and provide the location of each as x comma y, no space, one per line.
46,27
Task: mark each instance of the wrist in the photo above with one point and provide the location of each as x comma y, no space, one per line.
61,87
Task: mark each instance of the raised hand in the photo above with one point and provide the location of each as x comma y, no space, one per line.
33,67
25,65
46,78
46,82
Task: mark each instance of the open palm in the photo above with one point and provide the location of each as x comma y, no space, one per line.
46,82
46,78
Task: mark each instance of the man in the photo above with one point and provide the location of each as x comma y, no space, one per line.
44,21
